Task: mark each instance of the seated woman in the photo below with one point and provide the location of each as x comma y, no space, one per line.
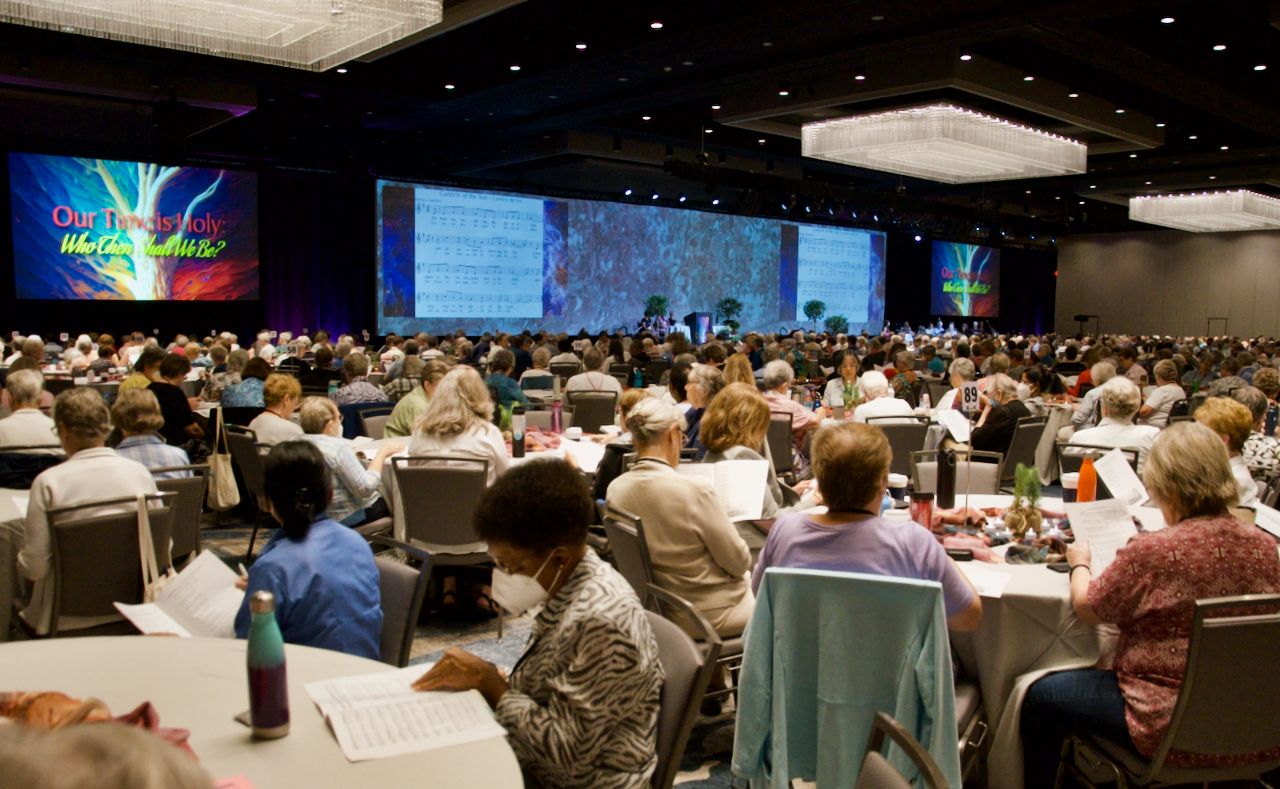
1260,450
282,394
355,488
458,421
226,370
321,573
697,553
999,420
778,376
851,463
905,380
137,414
1155,411
357,389
705,382
842,389
180,424
880,400
581,706
1151,597
1233,423
248,392
410,406
1120,399
538,376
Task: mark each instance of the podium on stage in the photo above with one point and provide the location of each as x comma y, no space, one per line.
699,324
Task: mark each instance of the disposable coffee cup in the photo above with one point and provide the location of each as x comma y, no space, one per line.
1070,482
573,432
898,486
900,515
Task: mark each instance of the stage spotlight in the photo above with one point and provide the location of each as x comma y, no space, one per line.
653,196
682,198
627,192
917,239
715,201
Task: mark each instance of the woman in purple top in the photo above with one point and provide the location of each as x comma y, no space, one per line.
851,464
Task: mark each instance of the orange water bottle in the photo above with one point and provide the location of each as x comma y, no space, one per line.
1088,487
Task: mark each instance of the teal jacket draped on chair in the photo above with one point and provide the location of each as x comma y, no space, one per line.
824,652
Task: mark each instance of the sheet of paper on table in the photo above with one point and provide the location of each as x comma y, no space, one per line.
15,509
740,484
956,423
1267,519
1106,525
989,581
587,453
374,716
1121,479
201,601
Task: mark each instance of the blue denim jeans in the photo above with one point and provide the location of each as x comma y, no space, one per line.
1063,703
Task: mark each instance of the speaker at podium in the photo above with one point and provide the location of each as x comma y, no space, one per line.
699,324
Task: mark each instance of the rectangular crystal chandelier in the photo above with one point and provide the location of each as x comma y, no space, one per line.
1208,212
307,34
943,142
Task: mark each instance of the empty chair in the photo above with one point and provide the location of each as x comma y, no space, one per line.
192,388
373,423
976,472
96,561
1022,448
688,664
905,436
936,388
779,440
653,371
879,773
591,409
1218,712
565,369
247,455
403,587
239,415
537,381
187,506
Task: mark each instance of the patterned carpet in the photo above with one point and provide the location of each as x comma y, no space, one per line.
706,760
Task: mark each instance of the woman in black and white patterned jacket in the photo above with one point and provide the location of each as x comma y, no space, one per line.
581,706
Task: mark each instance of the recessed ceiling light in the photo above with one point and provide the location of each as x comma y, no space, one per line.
1093,186
1260,67
655,25
1073,95
1057,197
715,106
622,79
762,141
1133,156
1148,183
579,46
708,131
878,18
1081,202
1028,191
686,62
646,117
1225,148
784,93
514,67
1193,136
966,57
1168,20
449,86
1219,47
1160,125
344,71
1213,178
766,43
860,77
1028,78
553,97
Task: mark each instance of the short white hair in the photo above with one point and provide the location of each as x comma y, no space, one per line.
1121,398
1004,385
25,387
874,384
777,373
963,367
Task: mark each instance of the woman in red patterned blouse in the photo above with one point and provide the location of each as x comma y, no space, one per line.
1149,593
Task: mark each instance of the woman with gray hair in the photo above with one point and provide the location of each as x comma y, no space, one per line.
1120,401
1260,450
27,426
704,383
696,551
880,400
1089,410
355,488
1155,411
999,420
778,376
961,371
1149,592
458,421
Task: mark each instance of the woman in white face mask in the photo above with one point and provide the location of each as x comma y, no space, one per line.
581,705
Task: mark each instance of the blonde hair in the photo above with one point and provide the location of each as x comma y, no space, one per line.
137,411
629,399
82,412
434,371
278,387
1188,468
103,755
851,463
738,416
650,419
316,413
737,370
460,401
1228,418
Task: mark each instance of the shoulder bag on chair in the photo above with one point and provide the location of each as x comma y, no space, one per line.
152,579
223,493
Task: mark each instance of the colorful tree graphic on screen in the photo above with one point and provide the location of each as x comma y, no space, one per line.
965,280
102,229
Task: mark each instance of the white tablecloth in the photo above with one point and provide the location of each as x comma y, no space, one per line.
200,685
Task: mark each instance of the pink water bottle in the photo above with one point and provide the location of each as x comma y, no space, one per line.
557,416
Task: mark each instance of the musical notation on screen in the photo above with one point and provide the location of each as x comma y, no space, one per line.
834,267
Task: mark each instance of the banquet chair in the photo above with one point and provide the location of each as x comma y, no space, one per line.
539,415
565,370
653,371
877,771
936,388
373,420
438,495
403,587
688,663
1022,447
906,435
96,562
239,415
56,386
1216,713
537,382
591,409
778,437
246,454
980,473
187,506
192,388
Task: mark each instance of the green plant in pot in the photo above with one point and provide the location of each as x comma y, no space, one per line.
1024,514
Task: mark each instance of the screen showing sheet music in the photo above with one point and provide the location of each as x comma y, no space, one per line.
480,260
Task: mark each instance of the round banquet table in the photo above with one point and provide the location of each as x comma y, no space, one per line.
200,685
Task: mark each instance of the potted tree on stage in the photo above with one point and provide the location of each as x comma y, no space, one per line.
814,310
837,324
656,306
729,309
